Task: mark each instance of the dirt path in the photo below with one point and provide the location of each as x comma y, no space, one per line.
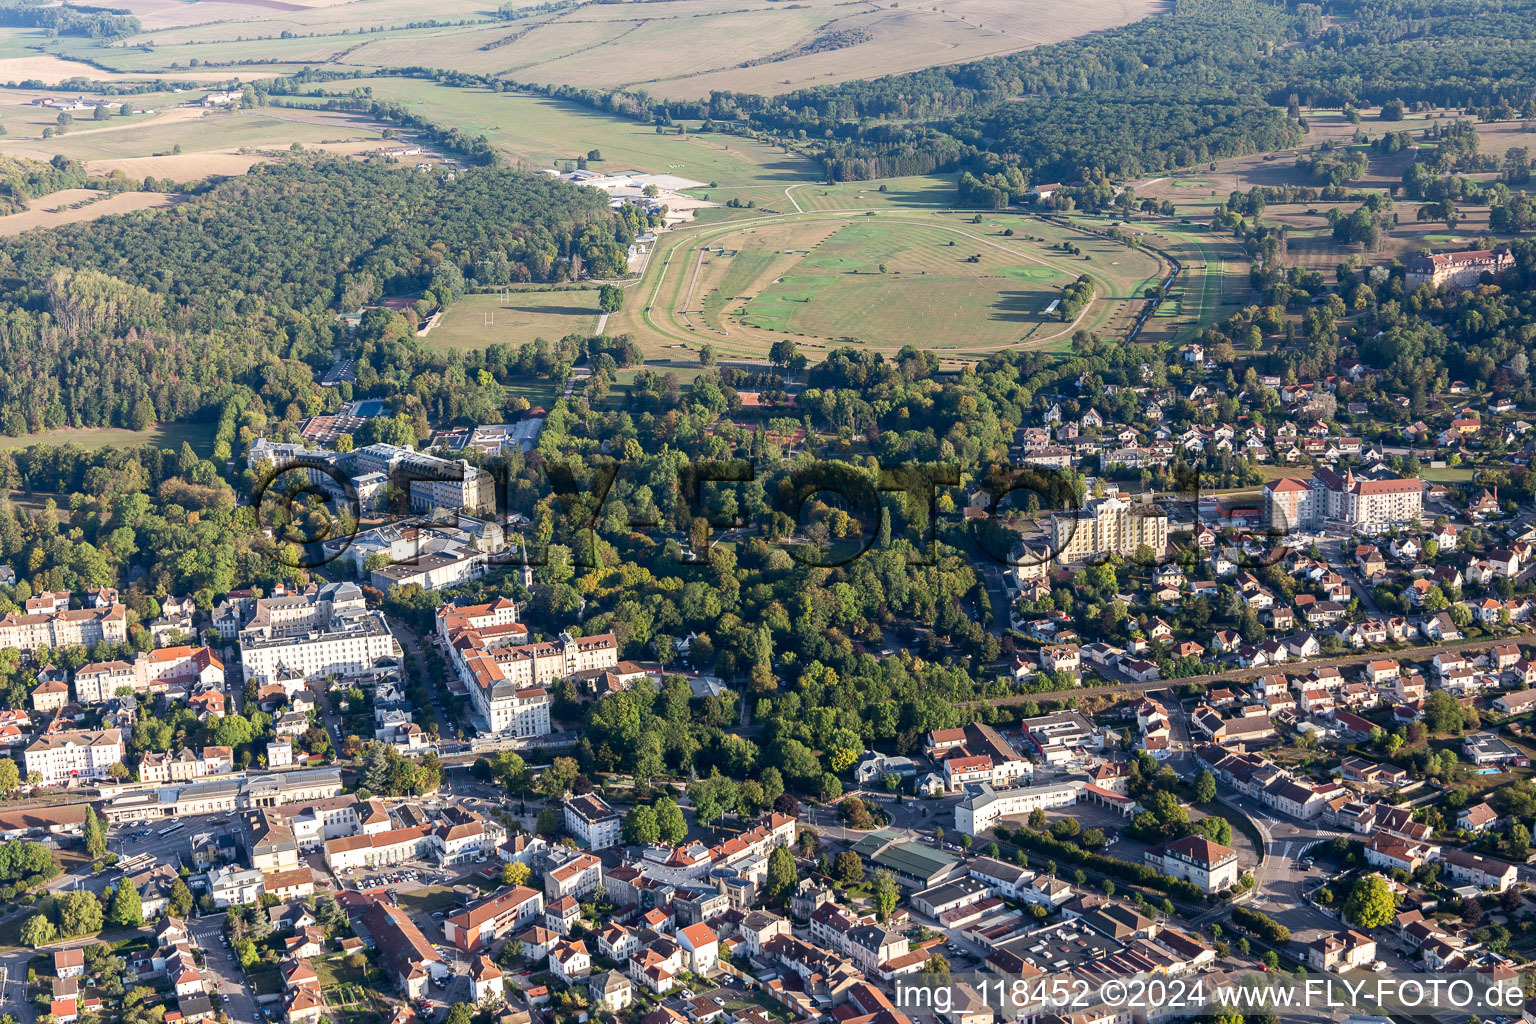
693,286
167,115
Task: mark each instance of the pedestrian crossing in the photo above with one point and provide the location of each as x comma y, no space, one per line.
208,936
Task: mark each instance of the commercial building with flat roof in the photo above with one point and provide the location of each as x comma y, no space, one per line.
984,806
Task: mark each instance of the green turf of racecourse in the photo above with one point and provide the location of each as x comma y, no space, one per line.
930,293
775,308
1029,272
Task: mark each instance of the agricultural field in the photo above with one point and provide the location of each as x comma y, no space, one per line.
538,132
669,48
176,141
514,318
27,65
31,65
899,277
16,43
166,23
78,204
23,120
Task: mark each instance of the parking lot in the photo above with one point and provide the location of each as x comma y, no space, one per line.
1088,815
133,838
404,876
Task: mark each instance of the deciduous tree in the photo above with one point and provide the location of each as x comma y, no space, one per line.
1370,903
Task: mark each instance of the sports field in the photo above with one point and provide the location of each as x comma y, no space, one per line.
899,277
928,292
1212,284
514,318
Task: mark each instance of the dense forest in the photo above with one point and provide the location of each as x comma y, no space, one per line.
154,316
1124,138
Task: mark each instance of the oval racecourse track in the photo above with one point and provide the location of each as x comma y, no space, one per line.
816,278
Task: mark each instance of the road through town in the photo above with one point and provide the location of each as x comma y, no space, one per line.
1341,661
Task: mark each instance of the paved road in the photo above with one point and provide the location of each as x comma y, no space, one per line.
13,987
13,972
1343,562
224,971
1180,741
581,374
411,645
1002,607
1282,882
911,813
